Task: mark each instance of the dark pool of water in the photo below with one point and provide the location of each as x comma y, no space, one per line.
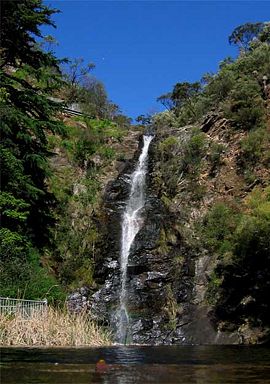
132,364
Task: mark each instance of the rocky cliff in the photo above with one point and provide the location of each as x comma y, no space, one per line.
199,267
171,268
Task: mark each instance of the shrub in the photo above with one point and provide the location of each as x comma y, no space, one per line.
245,106
107,152
247,274
253,145
164,120
218,227
220,85
84,149
194,152
168,147
216,150
23,276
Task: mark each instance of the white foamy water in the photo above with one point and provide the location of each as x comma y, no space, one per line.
131,224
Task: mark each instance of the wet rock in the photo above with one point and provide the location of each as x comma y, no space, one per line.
166,281
77,301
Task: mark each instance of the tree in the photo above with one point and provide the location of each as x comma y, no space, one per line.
123,121
144,119
28,77
48,43
264,35
93,97
244,34
167,101
76,73
184,94
20,25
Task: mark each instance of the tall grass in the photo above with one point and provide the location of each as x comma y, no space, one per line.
54,328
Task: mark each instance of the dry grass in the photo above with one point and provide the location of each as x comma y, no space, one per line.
54,328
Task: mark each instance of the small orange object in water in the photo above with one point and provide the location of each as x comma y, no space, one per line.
101,366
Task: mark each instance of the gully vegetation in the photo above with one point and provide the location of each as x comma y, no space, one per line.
209,167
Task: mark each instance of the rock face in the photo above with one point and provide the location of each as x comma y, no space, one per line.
165,279
78,301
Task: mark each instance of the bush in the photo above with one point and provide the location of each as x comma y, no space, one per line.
215,155
253,145
194,152
164,120
218,227
242,288
168,147
220,85
23,276
84,150
107,152
245,106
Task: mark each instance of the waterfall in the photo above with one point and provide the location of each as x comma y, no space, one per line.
131,224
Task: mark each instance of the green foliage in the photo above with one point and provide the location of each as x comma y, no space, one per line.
84,149
196,190
213,288
28,76
27,116
167,101
194,152
237,89
218,226
87,147
184,92
95,139
244,34
21,272
185,97
236,234
215,155
219,86
180,161
245,106
20,24
34,197
264,35
12,244
107,152
171,308
245,273
253,145
168,146
144,119
75,239
89,93
164,120
13,208
122,121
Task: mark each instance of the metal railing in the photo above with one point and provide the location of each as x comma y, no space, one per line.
71,109
73,112
25,308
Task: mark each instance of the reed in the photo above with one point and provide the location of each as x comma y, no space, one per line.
54,328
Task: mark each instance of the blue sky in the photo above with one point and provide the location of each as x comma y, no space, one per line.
142,48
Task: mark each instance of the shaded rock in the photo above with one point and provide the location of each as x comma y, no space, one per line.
78,301
165,296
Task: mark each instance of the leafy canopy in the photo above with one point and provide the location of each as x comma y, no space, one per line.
29,77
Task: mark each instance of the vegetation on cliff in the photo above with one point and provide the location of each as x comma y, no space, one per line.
28,76
52,164
213,170
210,169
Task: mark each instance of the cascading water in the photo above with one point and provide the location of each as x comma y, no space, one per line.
131,224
